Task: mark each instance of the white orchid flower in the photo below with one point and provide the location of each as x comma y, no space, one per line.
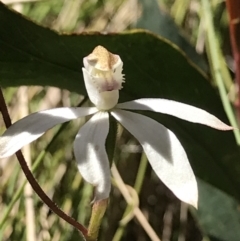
103,79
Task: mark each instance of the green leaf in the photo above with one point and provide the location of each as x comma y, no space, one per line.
218,214
154,68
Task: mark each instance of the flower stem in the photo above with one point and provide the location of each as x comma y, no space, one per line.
233,7
215,64
98,210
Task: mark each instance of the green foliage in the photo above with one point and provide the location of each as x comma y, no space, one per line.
215,207
154,68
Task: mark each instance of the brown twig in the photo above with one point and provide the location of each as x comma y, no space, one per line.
233,7
36,187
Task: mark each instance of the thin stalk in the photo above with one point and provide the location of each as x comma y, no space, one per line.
137,186
28,191
137,212
233,7
141,173
212,51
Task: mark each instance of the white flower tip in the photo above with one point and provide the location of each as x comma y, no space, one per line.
103,186
177,109
193,202
100,195
230,128
219,125
188,193
224,127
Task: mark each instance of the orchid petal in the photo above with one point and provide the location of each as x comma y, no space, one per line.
164,152
91,156
35,125
180,110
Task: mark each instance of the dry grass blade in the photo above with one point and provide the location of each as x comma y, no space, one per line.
137,212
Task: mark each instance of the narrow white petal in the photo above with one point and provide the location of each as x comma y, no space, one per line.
91,156
164,152
35,125
180,110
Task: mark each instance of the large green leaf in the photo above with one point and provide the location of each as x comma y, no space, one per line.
32,55
218,214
